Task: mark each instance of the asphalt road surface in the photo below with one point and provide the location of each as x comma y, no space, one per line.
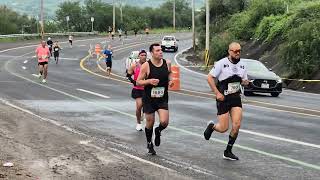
279,137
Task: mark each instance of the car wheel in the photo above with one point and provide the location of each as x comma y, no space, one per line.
275,94
246,93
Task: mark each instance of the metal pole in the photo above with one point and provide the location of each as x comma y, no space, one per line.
174,14
91,26
114,16
41,17
121,12
207,31
193,28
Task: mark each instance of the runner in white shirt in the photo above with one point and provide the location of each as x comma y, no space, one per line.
230,73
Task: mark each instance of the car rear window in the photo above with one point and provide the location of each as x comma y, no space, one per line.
168,38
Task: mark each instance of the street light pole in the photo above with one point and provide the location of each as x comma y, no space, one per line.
41,19
207,32
174,15
193,28
114,16
121,17
67,18
92,20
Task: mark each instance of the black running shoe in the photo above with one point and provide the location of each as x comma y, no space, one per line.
157,133
151,150
207,133
229,156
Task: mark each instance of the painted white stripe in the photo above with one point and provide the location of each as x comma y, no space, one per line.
23,67
280,138
175,59
35,75
93,93
141,160
74,59
25,62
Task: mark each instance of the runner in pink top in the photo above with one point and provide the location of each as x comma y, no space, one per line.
43,54
137,91
136,74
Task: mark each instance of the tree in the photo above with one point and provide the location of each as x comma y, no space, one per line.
76,14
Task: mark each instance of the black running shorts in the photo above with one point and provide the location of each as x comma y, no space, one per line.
56,54
151,107
226,105
137,93
109,64
42,63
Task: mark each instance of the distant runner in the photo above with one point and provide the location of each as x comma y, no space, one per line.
43,54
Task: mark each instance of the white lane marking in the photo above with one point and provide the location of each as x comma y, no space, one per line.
33,56
254,150
73,59
175,59
35,75
93,93
141,160
25,62
23,67
280,138
82,45
171,127
87,143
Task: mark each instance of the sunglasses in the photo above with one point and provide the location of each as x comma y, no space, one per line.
236,51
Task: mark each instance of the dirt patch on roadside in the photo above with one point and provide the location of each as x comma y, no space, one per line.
41,150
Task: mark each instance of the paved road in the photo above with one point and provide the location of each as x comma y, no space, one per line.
279,137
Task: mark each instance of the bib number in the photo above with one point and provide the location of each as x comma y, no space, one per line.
233,88
157,92
44,56
56,49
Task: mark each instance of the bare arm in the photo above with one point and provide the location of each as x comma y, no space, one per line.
142,75
170,73
131,69
212,84
214,88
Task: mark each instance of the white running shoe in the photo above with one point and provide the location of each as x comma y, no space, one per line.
44,81
139,127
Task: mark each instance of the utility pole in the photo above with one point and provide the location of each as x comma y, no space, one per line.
121,17
193,28
174,15
207,32
114,17
41,19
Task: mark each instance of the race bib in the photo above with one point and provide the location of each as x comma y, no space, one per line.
56,49
49,46
44,56
233,88
157,92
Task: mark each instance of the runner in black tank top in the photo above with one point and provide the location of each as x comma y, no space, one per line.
155,77
161,73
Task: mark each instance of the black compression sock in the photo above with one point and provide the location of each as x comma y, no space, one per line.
149,133
160,127
231,142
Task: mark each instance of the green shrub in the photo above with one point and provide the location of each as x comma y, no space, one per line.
301,53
